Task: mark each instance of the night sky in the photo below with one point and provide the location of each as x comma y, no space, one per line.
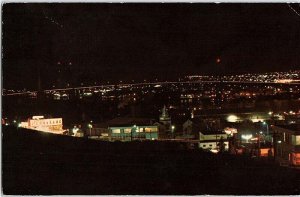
111,42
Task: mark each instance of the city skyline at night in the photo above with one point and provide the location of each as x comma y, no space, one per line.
112,42
150,99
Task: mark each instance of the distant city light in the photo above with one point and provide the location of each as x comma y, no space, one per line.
257,120
232,118
75,130
230,131
291,112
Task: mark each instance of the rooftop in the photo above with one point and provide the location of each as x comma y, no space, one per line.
291,127
213,132
125,121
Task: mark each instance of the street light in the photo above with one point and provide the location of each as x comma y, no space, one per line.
266,124
90,127
173,127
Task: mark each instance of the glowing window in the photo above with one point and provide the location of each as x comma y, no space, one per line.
116,130
139,130
297,139
127,130
148,129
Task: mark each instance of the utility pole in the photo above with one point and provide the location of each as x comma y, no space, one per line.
275,144
90,129
258,145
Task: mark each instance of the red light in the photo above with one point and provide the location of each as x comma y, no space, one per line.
218,60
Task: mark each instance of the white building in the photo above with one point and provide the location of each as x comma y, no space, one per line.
286,140
210,140
39,123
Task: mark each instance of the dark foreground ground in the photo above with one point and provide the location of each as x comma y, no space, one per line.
37,163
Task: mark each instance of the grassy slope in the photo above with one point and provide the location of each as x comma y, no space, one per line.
41,163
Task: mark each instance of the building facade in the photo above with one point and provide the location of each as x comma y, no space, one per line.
125,129
212,140
286,140
50,125
129,133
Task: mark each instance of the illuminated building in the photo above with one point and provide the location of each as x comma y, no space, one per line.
211,140
286,139
133,132
99,131
125,129
39,123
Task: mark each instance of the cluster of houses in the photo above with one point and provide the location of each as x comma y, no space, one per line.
205,132
128,129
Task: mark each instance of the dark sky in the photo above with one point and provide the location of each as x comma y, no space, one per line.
100,42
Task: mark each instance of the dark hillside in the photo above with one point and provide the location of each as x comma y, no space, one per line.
38,163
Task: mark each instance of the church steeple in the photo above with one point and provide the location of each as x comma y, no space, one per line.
164,114
165,119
